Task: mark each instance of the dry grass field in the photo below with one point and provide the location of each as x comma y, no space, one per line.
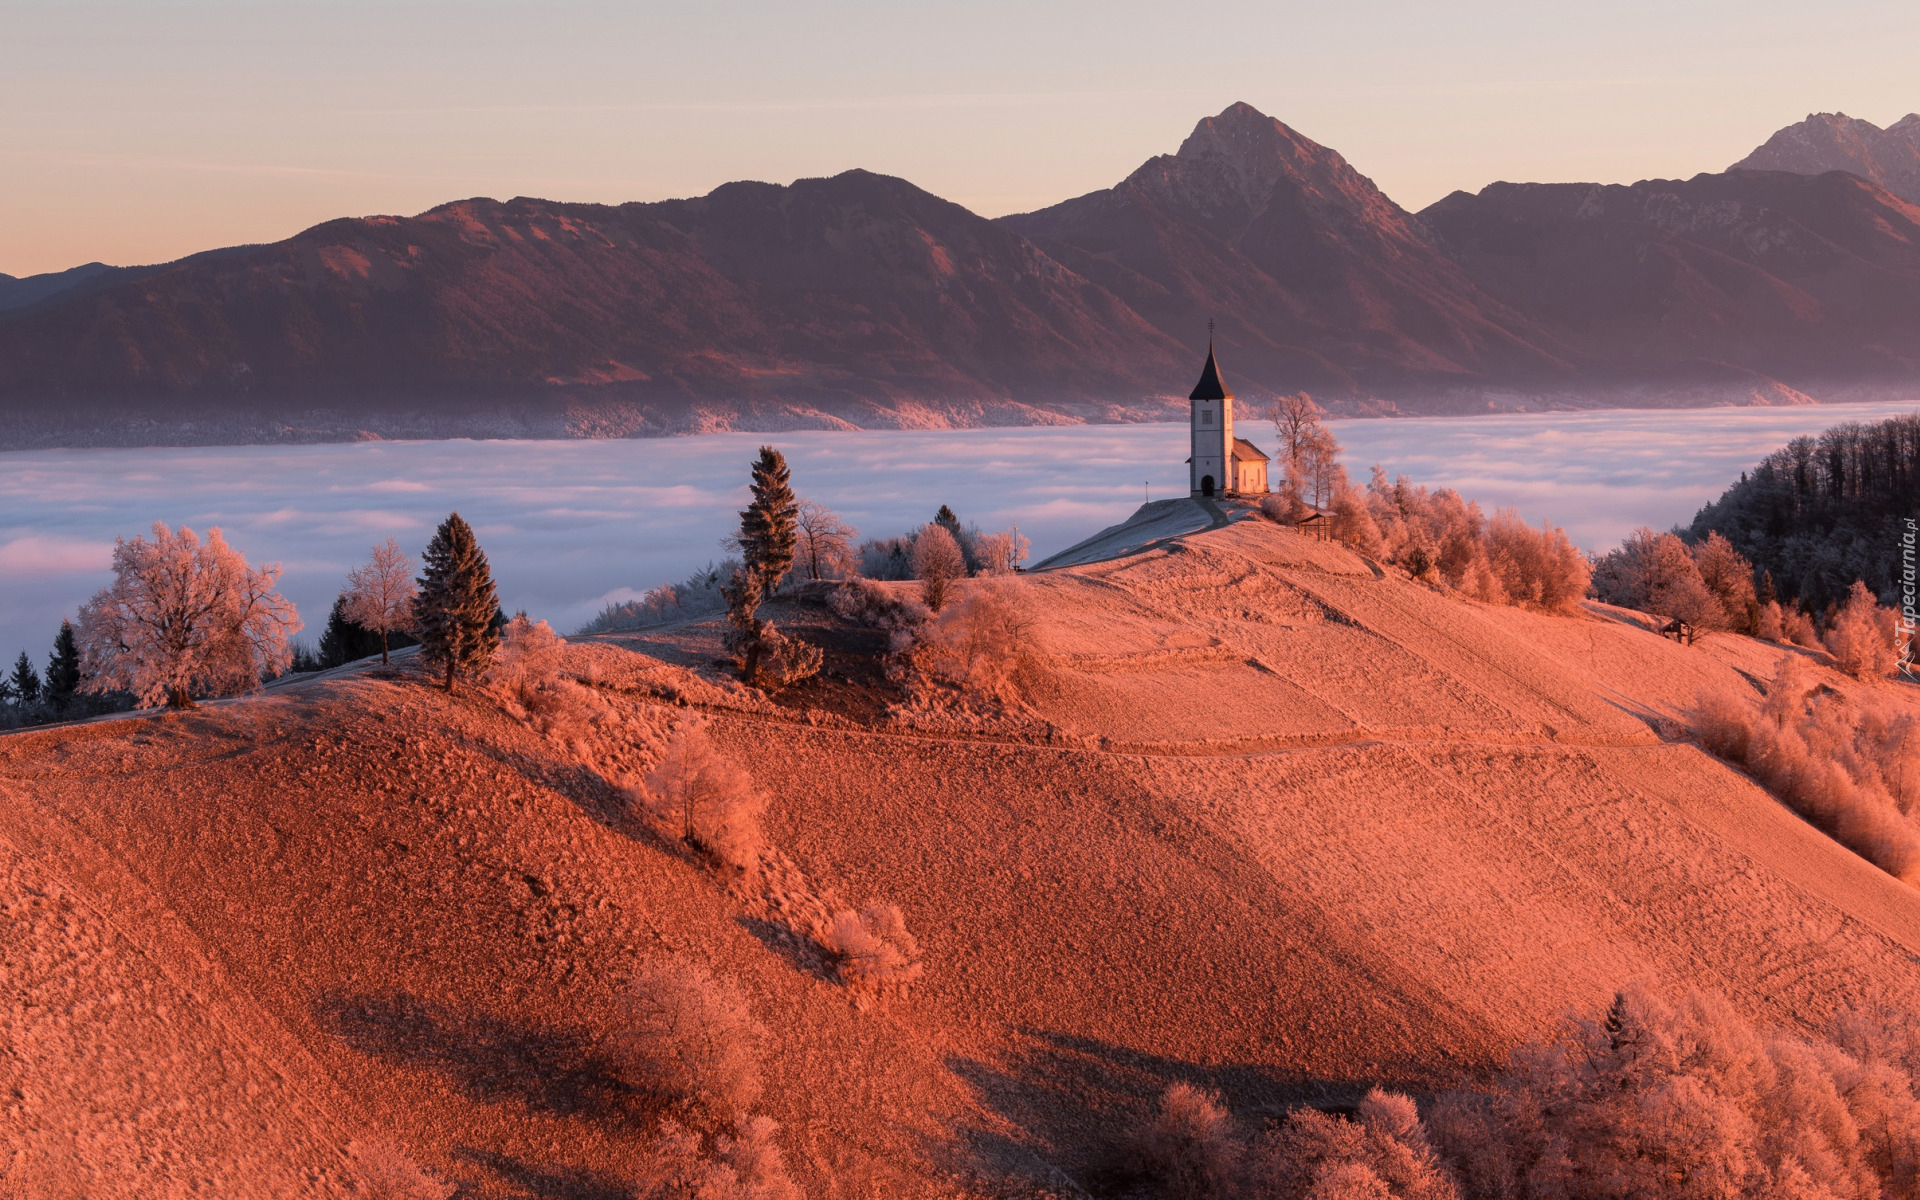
1264,818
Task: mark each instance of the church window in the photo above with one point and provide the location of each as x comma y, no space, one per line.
1206,417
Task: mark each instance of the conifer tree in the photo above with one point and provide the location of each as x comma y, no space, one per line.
63,670
25,680
456,607
768,526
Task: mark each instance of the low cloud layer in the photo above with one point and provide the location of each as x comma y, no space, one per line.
569,525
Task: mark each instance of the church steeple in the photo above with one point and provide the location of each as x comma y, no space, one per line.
1210,387
1210,420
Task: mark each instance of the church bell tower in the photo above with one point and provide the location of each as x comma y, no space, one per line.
1210,414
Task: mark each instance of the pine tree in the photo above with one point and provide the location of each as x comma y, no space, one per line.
63,670
26,681
768,527
457,605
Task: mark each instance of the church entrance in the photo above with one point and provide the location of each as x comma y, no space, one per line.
1206,485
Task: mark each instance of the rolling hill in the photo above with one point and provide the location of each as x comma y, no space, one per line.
1268,819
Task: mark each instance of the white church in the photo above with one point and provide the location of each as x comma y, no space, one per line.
1222,464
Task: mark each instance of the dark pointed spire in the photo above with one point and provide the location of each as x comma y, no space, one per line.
1210,386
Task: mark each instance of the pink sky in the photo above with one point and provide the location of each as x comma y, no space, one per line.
138,132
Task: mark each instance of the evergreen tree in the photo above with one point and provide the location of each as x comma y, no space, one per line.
457,608
26,681
63,670
769,531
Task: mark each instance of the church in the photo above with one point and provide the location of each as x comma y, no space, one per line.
1222,464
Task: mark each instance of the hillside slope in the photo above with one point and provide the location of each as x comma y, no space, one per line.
1274,821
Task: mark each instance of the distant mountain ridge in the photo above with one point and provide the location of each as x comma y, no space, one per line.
1825,142
32,289
863,301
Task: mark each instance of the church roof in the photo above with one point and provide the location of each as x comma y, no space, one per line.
1246,451
1210,387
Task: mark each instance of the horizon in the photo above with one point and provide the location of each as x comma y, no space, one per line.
147,131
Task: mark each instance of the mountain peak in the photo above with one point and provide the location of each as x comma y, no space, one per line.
1837,142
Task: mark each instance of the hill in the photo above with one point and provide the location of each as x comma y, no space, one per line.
1269,819
1825,142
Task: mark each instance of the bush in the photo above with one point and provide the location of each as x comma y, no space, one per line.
1536,567
975,647
382,1172
745,1164
1382,1152
937,562
873,950
1190,1145
708,801
691,1037
1851,770
865,602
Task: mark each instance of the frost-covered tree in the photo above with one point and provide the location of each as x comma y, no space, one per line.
690,1036
455,610
825,541
873,948
184,616
1860,637
707,799
380,593
937,562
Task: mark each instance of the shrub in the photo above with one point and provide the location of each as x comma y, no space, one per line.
1284,507
709,801
383,1172
1383,1151
697,595
999,553
745,1164
1846,768
526,671
975,647
873,949
865,602
1190,1145
1860,637
937,562
691,1037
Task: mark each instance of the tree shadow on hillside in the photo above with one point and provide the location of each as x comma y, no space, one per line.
492,1060
1074,1099
545,1182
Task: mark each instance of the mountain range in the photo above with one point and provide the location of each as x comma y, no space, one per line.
863,301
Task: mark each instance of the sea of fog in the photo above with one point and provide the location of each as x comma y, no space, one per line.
570,526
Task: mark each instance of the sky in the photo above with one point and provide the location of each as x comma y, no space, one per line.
143,130
571,526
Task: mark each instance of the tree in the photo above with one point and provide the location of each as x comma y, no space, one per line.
1859,637
25,681
1309,455
709,798
946,520
825,541
63,670
456,609
692,1037
184,616
768,533
380,593
1729,576
937,562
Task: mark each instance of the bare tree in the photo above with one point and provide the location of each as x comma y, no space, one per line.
873,948
1309,455
937,562
826,542
1000,553
381,592
183,616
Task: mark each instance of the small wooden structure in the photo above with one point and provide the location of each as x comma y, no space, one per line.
1680,631
1317,524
